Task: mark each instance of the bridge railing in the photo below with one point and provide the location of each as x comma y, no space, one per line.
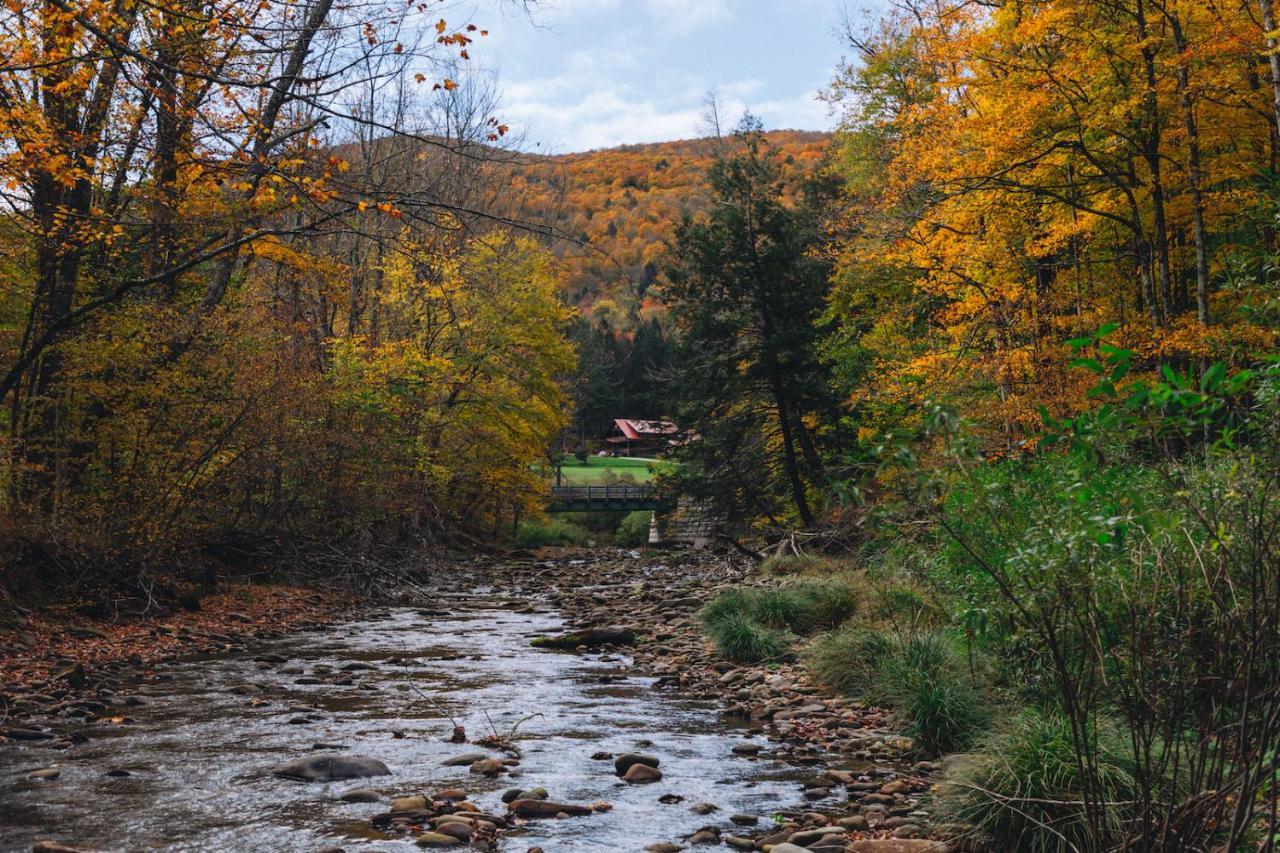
602,494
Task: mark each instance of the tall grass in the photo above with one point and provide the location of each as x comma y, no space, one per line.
743,640
848,660
1025,787
801,608
922,678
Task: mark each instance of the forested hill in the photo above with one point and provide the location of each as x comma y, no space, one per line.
623,204
617,211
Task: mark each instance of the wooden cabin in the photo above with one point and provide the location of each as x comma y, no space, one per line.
641,438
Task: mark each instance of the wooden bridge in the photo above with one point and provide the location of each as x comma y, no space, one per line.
619,497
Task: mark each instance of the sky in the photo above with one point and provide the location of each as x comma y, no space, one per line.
586,74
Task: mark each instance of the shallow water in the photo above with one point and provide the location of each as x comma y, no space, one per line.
200,750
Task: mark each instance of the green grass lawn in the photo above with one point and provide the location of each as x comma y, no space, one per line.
600,470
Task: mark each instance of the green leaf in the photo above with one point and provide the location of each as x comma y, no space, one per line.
1090,364
1213,376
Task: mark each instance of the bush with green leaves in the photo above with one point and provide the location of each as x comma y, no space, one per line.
1128,575
1024,788
633,530
539,534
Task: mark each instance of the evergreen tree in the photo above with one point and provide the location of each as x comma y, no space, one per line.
747,289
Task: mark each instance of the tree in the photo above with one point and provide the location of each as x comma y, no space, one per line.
747,287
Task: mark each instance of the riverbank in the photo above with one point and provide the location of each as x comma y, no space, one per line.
751,758
57,652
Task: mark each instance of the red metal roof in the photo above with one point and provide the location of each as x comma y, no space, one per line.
636,430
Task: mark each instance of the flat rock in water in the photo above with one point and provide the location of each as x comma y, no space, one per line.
331,768
465,760
590,638
29,734
543,808
360,795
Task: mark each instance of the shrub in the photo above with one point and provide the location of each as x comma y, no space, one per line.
848,660
536,534
1024,789
743,640
633,530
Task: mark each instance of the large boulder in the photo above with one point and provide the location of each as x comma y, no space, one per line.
626,761
331,768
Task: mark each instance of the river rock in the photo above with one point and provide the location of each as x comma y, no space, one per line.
360,795
806,837
625,762
545,808
55,847
408,804
47,774
897,845
455,829
436,839
642,774
331,768
488,767
464,760
788,847
591,638
28,734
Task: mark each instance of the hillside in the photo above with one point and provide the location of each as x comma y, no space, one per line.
623,204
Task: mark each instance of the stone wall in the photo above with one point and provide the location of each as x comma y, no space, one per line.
691,523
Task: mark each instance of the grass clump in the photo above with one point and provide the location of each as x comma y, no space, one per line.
1024,789
848,660
540,534
743,640
922,678
633,530
928,684
800,608
781,565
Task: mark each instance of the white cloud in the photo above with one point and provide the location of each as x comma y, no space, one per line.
599,73
684,16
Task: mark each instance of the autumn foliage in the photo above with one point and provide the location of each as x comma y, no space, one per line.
255,288
1021,173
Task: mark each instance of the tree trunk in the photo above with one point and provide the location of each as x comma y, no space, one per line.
1273,51
1195,175
1151,154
